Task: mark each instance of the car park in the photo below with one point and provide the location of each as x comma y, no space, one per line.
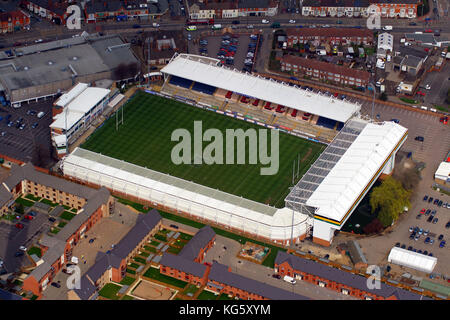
397,244
18,254
441,236
418,216
447,225
430,199
403,246
51,219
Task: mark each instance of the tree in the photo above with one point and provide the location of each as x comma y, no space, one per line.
390,199
383,96
374,226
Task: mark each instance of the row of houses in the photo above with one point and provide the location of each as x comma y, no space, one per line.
15,20
319,70
91,205
215,9
361,8
96,10
345,282
217,278
111,266
334,36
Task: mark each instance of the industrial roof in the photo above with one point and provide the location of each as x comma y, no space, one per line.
412,259
356,169
208,72
80,104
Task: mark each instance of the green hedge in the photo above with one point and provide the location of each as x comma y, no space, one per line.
24,202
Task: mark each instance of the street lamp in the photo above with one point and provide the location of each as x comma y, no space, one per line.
373,99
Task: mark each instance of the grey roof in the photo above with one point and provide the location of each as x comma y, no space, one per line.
58,60
343,277
199,241
42,206
49,241
87,289
144,224
5,196
6,295
104,262
100,197
425,38
356,254
183,264
28,172
411,61
220,273
53,253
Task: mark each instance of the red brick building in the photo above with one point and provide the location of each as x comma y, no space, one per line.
329,35
112,266
187,265
320,70
338,280
14,21
52,10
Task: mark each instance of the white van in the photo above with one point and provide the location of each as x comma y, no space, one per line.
289,279
41,114
387,28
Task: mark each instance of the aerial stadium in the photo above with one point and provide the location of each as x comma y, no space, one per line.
330,156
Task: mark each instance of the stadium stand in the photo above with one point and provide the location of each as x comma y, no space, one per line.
204,88
177,81
325,122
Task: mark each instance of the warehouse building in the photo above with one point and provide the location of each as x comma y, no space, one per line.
45,70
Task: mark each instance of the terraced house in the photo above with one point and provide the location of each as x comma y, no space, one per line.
338,280
91,205
216,9
111,266
333,36
52,10
320,70
14,21
123,10
360,8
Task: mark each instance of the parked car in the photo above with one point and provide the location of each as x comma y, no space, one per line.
23,248
425,198
276,276
19,225
430,199
442,244
56,285
441,236
435,220
51,219
18,254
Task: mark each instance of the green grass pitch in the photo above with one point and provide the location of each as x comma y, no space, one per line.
145,139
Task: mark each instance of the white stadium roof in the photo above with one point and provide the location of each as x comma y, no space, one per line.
336,195
82,99
412,259
71,94
207,71
185,196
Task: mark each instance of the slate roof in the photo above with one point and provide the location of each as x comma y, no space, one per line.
87,289
220,273
343,277
6,295
28,172
5,195
183,264
144,224
191,250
